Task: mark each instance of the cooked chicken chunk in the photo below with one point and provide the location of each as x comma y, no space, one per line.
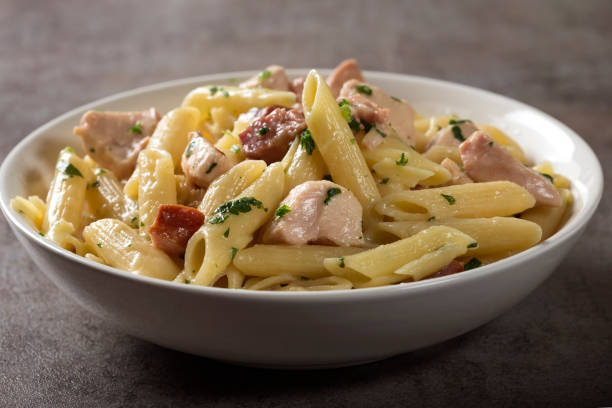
202,162
114,139
485,160
452,135
401,114
273,77
269,135
347,69
317,212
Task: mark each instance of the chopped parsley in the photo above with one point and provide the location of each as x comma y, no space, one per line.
225,93
402,161
91,149
307,142
353,141
397,99
282,211
187,281
137,128
134,219
471,264
212,166
100,171
457,133
490,144
41,234
235,148
240,205
304,278
345,110
95,184
384,181
327,177
264,74
341,262
234,252
548,176
141,224
213,90
458,121
68,169
70,150
451,200
364,89
263,131
430,219
190,147
99,245
380,132
330,193
473,245
226,233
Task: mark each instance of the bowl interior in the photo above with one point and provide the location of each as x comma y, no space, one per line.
29,166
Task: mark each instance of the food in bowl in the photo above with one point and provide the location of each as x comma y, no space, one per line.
295,185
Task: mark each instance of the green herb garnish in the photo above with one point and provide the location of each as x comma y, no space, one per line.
212,166
91,149
240,205
341,262
451,200
364,89
68,169
304,278
380,132
264,74
402,161
95,184
190,147
330,193
397,99
226,233
473,245
235,148
430,219
213,90
41,234
281,212
263,131
137,128
307,142
384,181
490,144
327,177
457,133
234,252
548,176
99,245
471,264
458,121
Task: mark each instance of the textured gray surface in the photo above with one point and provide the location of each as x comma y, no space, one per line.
553,349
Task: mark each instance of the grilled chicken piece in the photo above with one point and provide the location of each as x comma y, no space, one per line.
317,212
114,139
173,227
269,135
401,114
347,69
485,160
273,77
202,162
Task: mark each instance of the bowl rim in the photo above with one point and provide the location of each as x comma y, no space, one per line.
572,227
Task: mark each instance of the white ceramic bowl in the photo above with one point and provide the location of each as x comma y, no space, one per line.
301,329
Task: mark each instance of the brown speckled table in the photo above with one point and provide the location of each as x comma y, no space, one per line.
553,349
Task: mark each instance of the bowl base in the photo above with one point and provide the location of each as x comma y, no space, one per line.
296,367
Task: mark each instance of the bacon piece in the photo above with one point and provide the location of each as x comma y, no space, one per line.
458,176
347,69
452,138
273,77
173,227
317,216
114,139
269,135
450,269
485,160
202,162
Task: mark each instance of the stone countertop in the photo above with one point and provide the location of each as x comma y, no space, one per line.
553,349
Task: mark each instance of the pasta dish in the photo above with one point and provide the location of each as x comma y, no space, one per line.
295,184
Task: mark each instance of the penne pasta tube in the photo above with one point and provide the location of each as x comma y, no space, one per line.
122,247
156,184
304,167
549,218
493,235
496,198
105,199
171,133
334,140
232,226
386,259
301,261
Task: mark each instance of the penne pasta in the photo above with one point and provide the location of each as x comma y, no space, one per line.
105,199
171,132
301,261
549,218
156,184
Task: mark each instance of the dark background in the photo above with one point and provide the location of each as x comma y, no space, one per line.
553,349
